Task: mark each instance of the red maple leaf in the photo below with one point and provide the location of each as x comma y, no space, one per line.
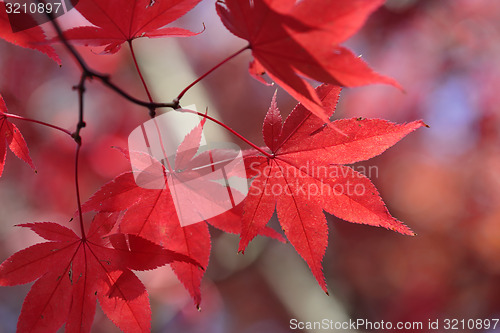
306,176
33,38
72,272
151,213
11,136
117,21
291,40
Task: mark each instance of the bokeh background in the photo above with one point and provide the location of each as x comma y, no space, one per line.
443,182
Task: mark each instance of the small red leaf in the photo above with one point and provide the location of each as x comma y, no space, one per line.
189,146
73,272
33,38
272,125
11,136
151,215
134,19
194,241
292,40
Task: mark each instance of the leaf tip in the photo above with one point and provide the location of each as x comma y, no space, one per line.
397,85
421,123
407,232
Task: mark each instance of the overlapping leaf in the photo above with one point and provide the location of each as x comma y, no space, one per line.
33,38
116,21
73,272
11,137
291,40
306,176
151,213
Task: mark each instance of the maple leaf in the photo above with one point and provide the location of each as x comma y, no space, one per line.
72,272
291,40
151,212
33,38
11,136
305,176
117,21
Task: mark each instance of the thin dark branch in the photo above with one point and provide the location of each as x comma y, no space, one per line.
90,73
78,199
81,123
76,135
149,105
